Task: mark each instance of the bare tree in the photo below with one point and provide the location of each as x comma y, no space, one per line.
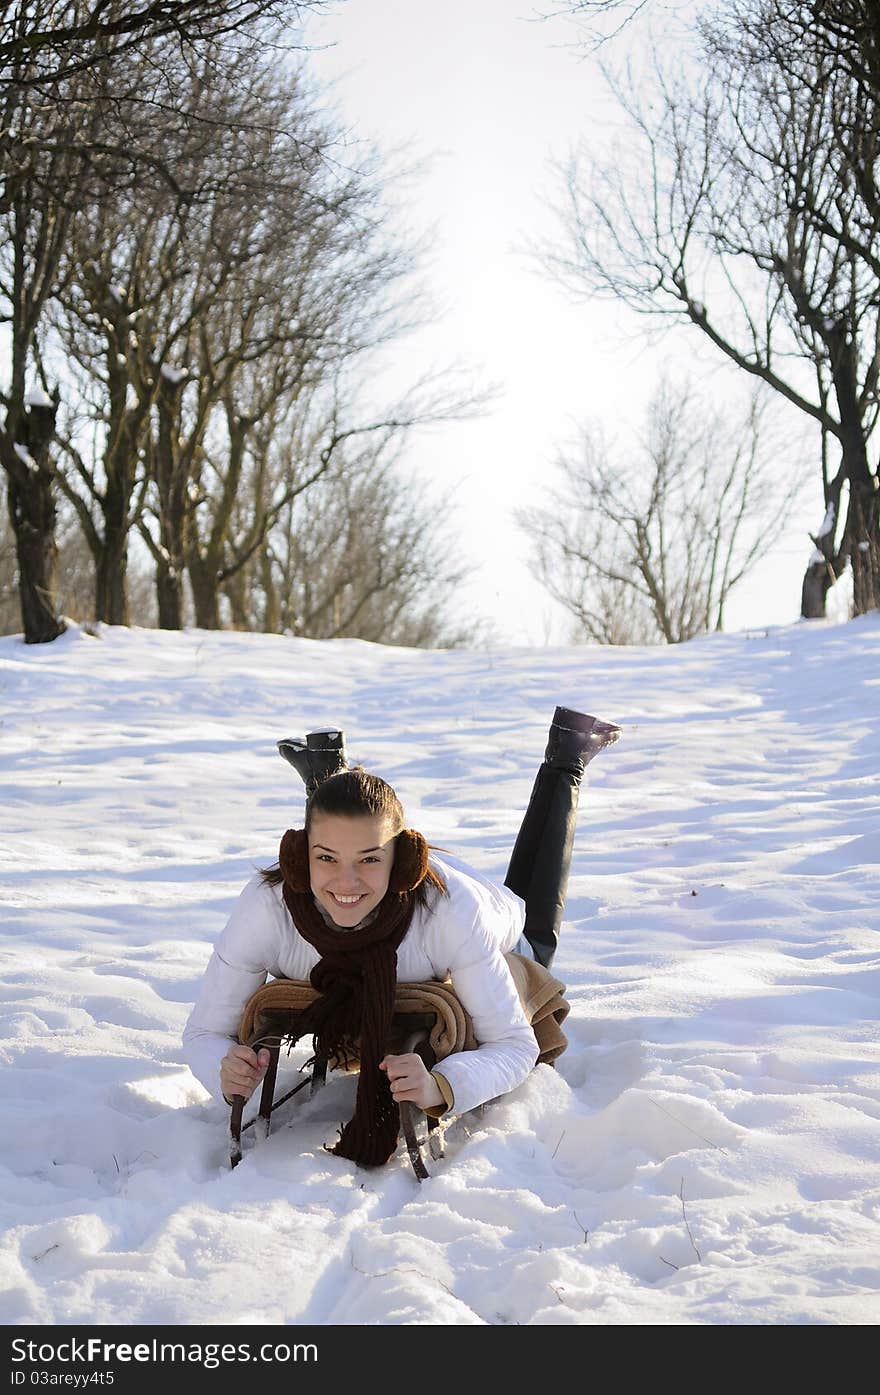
602,20
364,554
42,181
746,212
55,155
298,320
189,317
648,544
103,431
54,41
65,136
204,328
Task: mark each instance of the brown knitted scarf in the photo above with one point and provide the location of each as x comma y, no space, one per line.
356,977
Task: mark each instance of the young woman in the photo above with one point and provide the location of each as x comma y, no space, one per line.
358,901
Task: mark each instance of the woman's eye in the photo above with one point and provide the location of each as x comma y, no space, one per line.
324,857
371,859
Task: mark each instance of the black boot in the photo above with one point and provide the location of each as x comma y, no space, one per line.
575,738
320,754
541,858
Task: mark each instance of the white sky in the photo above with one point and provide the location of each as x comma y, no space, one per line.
486,98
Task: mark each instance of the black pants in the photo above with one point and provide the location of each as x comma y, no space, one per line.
541,857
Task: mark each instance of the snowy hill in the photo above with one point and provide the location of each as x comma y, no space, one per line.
708,1150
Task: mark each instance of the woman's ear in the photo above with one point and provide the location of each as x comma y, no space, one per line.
293,859
410,862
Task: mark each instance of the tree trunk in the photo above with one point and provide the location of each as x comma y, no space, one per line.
171,480
206,593
31,494
815,588
111,568
32,512
272,612
861,542
126,429
169,598
863,534
236,591
205,559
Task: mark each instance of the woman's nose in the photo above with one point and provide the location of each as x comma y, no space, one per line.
346,876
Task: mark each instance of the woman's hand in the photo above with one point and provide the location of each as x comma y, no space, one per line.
241,1071
410,1079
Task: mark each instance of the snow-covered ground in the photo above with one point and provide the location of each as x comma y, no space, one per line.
708,1150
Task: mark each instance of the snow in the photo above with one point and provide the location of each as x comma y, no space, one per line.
173,375
24,456
827,521
38,397
708,1150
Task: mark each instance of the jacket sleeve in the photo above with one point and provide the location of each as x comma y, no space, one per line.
469,938
243,957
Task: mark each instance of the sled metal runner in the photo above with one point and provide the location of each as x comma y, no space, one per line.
410,1032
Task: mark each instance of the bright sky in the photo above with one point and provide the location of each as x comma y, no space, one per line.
485,98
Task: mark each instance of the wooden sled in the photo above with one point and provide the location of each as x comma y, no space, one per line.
428,1019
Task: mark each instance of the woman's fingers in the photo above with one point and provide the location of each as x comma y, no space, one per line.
410,1079
242,1069
405,1067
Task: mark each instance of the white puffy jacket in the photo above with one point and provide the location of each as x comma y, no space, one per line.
463,936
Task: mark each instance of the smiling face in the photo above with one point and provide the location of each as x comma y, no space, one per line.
350,862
